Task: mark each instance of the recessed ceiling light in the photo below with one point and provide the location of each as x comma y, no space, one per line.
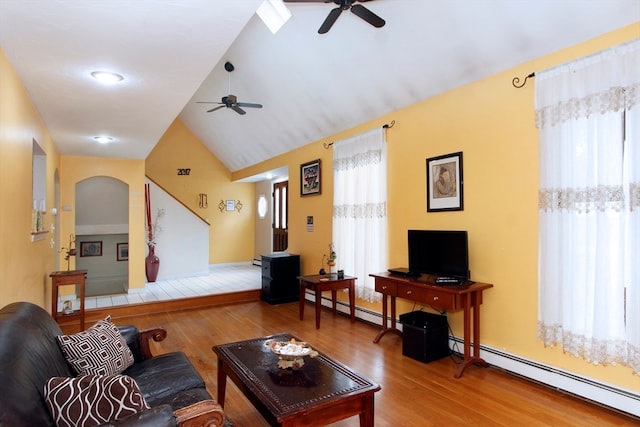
103,139
107,77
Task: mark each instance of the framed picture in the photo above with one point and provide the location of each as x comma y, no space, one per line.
230,205
310,178
122,252
445,183
91,248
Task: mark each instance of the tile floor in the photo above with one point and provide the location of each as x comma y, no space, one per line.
222,278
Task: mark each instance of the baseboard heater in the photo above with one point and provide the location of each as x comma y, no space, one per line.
601,393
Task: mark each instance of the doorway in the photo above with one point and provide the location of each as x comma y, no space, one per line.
280,216
102,234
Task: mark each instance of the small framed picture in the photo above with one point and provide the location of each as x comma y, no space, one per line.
230,205
310,178
91,248
445,183
122,252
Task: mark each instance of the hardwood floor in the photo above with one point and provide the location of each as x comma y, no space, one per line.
413,393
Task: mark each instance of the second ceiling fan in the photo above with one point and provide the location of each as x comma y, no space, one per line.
357,9
230,101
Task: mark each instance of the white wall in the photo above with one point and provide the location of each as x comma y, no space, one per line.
182,239
102,206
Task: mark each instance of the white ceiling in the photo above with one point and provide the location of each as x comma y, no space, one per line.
172,54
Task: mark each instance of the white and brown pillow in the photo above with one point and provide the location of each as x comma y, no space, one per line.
100,350
92,399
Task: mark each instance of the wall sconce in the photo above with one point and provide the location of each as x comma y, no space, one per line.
202,201
230,205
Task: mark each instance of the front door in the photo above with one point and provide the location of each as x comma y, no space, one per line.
280,217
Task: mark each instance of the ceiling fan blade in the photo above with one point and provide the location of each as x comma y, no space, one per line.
310,1
216,108
248,104
330,20
367,15
238,109
206,102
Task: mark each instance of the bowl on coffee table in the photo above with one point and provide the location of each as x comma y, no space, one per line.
291,353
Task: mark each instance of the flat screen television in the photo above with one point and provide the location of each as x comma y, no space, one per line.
443,253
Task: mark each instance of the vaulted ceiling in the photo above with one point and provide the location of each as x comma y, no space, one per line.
172,55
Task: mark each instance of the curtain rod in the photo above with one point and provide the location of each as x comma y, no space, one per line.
516,80
385,126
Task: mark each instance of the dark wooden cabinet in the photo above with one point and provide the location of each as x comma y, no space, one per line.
280,273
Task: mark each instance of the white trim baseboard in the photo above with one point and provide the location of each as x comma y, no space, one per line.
612,396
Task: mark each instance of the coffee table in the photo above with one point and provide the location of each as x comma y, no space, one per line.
323,391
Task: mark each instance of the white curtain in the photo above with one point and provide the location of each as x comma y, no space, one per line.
360,208
588,115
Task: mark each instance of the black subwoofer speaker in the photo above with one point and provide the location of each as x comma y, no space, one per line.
425,336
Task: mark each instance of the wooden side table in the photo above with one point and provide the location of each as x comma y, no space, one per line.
327,282
64,278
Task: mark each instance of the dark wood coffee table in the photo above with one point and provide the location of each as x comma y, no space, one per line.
323,391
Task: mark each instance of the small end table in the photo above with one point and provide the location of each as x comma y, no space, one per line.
327,282
63,278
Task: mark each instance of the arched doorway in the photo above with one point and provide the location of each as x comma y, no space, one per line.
102,234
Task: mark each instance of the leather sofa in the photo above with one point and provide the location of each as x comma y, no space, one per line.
30,356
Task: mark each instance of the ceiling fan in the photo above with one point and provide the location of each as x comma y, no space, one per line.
357,10
230,101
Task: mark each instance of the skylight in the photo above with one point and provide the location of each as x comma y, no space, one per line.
274,14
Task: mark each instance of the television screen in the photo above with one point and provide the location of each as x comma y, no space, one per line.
439,252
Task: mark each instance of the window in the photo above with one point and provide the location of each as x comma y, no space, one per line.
589,207
262,206
360,208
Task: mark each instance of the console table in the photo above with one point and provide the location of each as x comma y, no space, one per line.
451,298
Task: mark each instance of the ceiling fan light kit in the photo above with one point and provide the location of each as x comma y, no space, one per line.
357,9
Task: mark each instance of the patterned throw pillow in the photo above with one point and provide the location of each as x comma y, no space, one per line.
100,350
93,399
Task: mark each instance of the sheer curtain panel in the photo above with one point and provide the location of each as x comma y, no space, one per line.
588,117
360,208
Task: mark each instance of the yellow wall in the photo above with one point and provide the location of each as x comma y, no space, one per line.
309,245
492,123
231,234
75,169
24,266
